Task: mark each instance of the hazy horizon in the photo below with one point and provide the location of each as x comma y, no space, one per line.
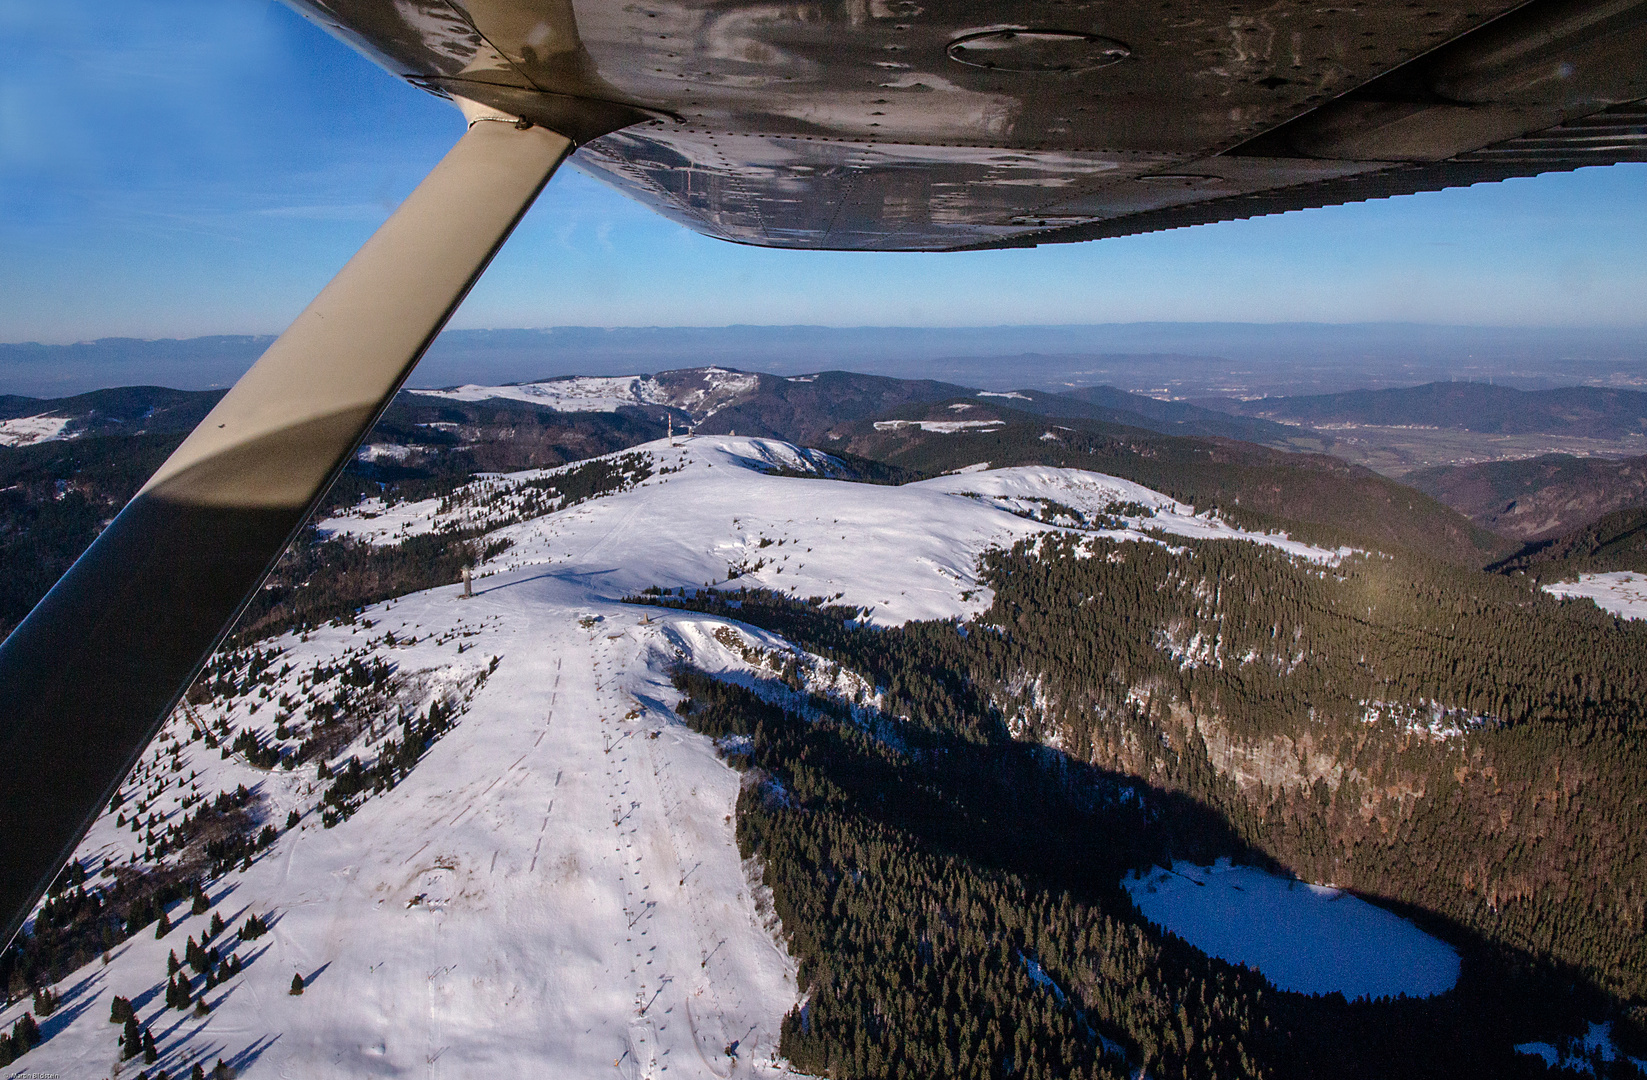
1170,359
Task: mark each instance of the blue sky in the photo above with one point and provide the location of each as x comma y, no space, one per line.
181,167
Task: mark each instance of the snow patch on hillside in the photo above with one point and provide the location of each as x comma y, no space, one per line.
1313,939
581,394
373,453
700,393
1621,592
27,430
1582,1054
942,427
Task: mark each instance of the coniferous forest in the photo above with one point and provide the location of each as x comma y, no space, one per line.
1457,747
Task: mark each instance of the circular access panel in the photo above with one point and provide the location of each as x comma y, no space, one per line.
1036,50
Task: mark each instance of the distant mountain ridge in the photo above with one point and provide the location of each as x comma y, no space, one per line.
127,410
1316,497
1182,418
1184,359
1479,407
809,408
1537,498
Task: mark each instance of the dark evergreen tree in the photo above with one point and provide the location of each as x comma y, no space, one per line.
25,1034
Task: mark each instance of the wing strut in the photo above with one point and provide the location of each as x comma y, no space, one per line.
87,678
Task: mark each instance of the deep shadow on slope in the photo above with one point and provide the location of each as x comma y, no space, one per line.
1616,542
919,874
1538,498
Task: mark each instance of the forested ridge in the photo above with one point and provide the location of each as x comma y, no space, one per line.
1313,496
1457,746
1616,541
1456,742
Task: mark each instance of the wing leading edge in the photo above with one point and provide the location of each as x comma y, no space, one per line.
905,125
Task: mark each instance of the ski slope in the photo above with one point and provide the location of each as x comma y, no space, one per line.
555,889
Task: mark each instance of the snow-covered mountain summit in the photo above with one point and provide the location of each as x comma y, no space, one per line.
698,392
773,517
530,868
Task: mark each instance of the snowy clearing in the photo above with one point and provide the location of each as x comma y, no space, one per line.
25,430
1313,939
375,452
1621,592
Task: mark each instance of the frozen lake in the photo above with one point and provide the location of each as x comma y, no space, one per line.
1310,938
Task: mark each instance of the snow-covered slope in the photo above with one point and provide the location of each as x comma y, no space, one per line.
26,430
905,552
699,392
1620,592
582,394
554,890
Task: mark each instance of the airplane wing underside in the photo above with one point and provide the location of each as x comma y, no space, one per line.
912,125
